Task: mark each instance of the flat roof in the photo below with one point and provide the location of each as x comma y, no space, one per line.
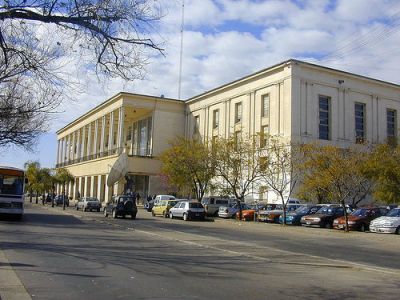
104,103
282,64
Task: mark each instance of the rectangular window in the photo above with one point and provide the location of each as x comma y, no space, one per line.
142,137
264,136
196,124
324,117
216,118
238,112
265,106
391,125
359,114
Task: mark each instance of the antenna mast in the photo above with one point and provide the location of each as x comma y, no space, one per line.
181,50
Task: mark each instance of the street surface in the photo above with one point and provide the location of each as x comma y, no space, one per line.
76,255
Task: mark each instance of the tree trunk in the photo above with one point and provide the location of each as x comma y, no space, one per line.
64,196
284,210
30,196
345,216
37,197
238,202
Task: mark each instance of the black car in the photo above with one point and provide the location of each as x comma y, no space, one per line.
59,200
121,205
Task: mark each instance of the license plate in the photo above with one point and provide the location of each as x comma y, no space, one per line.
308,222
340,226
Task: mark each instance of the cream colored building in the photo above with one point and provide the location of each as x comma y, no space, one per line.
138,125
300,101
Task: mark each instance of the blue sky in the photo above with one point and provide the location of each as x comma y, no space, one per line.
227,39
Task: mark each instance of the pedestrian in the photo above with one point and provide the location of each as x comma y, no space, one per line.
137,198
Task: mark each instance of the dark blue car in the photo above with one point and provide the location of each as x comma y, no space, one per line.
293,218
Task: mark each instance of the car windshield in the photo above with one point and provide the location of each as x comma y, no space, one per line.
195,205
394,213
326,210
361,212
303,210
11,185
172,203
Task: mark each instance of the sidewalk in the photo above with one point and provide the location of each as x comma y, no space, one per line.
11,288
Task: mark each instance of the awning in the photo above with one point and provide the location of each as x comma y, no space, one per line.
118,170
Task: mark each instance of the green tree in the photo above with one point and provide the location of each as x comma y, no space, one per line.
383,168
337,173
32,170
278,169
63,176
189,166
237,164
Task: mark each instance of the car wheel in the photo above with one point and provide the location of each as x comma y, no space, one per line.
84,209
153,214
397,230
328,226
105,212
133,216
123,216
363,227
216,214
114,214
98,210
165,214
170,215
185,217
77,208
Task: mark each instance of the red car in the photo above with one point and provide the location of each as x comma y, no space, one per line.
360,218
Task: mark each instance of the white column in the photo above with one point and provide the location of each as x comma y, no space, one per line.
80,187
63,150
74,153
83,154
74,189
89,143
111,132
58,152
99,187
96,137
78,144
103,133
92,187
121,120
106,198
86,187
68,153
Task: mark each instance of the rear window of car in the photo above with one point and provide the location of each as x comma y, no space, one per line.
195,205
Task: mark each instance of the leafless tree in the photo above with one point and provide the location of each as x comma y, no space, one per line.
40,40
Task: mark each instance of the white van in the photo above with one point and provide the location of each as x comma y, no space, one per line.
211,204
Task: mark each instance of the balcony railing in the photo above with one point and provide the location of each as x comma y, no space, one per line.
90,157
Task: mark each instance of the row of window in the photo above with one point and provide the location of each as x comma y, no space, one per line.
359,120
265,99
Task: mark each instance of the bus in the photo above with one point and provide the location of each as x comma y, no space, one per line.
12,191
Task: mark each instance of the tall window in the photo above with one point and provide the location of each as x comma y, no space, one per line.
359,114
324,117
238,112
264,136
265,106
141,137
391,125
196,124
216,118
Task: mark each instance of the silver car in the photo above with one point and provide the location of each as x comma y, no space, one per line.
187,211
231,210
88,203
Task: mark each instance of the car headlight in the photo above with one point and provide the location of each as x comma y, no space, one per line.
290,217
336,222
317,219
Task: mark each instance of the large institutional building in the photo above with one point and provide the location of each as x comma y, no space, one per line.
300,101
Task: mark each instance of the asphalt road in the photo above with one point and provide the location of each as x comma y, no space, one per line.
76,255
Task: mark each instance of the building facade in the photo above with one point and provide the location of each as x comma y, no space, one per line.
299,101
137,125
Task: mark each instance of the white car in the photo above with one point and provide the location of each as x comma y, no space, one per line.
187,211
387,224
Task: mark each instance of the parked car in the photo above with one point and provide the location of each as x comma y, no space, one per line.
323,217
294,217
149,204
88,203
187,211
121,205
212,204
162,208
272,216
230,210
59,200
49,198
248,214
387,224
360,218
